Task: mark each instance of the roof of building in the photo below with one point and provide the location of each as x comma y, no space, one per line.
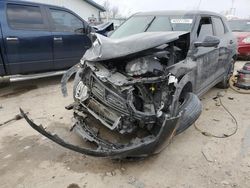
93,3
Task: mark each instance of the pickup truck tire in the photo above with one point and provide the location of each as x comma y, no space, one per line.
224,84
192,109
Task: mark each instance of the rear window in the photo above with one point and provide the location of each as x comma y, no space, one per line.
25,17
240,25
219,27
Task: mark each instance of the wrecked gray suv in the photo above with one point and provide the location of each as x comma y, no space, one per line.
143,83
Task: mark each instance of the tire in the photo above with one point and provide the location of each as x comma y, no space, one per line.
192,109
224,84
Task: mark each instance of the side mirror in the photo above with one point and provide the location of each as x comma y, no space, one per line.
89,29
79,31
209,41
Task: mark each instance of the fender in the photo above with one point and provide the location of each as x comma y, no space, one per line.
187,78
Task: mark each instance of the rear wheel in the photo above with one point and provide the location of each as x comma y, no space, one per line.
192,109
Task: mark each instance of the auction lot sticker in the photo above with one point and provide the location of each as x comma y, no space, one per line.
181,21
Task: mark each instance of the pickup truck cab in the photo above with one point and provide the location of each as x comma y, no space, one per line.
36,38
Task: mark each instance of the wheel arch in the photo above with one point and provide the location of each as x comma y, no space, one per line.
187,88
235,57
186,84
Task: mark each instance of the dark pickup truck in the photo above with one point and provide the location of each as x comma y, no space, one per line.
37,38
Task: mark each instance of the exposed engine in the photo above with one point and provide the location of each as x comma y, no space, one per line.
113,90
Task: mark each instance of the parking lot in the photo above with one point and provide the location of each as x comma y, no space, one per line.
29,160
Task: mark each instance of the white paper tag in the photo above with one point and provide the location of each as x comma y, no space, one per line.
181,21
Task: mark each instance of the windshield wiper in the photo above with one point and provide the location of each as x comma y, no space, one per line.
150,23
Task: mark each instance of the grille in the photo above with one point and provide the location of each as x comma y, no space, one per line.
107,96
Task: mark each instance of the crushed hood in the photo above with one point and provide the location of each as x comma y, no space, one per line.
105,48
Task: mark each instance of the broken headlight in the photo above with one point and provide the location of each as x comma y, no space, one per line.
82,92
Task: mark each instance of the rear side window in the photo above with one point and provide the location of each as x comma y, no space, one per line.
205,28
65,22
219,27
25,17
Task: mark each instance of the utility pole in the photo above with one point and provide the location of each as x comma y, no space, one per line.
233,10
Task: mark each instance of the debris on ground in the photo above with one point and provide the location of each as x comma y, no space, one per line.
234,120
70,107
217,120
110,174
73,185
15,118
137,184
224,182
206,152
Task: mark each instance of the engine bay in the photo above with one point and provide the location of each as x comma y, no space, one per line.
130,93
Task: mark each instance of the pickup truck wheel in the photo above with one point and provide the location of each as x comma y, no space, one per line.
224,84
192,109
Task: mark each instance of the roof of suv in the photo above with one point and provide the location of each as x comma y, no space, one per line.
178,12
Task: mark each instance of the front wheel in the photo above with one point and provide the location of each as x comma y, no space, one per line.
191,108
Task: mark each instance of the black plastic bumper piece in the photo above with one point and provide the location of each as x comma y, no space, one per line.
136,148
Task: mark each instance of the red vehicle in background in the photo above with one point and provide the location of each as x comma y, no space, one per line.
241,28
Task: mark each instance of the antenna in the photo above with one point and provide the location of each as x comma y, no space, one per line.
198,7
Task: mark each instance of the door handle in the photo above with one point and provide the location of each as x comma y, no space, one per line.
12,39
58,39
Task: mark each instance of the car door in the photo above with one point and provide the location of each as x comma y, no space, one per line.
69,36
2,68
27,38
224,55
226,46
206,57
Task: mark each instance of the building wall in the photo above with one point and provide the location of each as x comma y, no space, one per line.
80,7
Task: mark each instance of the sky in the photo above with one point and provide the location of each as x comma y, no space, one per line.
128,7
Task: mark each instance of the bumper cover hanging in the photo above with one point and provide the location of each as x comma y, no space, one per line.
139,147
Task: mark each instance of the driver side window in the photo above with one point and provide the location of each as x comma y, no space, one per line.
205,28
66,22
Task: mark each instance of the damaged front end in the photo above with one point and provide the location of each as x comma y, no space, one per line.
130,91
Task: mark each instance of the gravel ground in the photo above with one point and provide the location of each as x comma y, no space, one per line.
28,160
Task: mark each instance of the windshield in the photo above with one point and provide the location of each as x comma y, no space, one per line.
139,24
240,25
